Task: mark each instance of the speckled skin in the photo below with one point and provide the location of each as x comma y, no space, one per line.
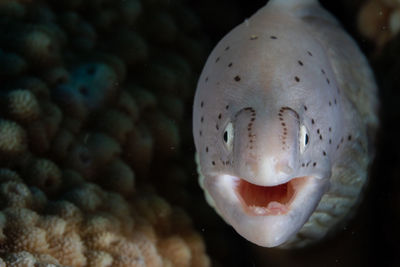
287,72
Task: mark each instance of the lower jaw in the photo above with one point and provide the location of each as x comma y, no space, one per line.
268,200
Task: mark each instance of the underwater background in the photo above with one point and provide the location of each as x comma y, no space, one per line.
96,151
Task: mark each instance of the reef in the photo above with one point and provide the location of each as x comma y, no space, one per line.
93,96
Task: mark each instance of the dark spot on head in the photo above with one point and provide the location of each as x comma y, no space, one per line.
227,106
320,137
317,131
237,78
202,104
297,79
201,119
230,64
219,116
305,108
312,121
349,137
206,79
227,48
302,165
327,80
217,59
213,163
309,53
341,140
300,62
314,164
330,129
206,149
200,133
330,141
283,124
324,153
217,127
273,37
335,101
322,70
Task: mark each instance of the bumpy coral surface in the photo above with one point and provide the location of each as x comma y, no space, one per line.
92,97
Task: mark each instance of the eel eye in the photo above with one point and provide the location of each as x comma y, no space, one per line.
304,138
228,136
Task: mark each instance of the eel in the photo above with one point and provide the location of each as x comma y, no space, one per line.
284,120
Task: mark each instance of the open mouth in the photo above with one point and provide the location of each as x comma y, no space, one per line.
268,200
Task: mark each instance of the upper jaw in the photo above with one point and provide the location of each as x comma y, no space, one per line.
266,220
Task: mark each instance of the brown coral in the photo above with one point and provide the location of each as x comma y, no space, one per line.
176,251
45,175
22,105
86,129
12,139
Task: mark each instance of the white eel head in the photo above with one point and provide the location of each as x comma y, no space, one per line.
264,174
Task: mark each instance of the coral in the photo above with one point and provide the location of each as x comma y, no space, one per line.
139,149
45,175
94,97
89,86
165,132
379,20
12,64
13,140
176,251
22,105
118,177
14,194
116,124
34,85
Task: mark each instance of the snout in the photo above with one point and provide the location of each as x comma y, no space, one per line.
266,152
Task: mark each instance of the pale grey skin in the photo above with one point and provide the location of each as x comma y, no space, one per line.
290,62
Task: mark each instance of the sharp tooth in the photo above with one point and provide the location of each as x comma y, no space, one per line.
259,210
273,205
